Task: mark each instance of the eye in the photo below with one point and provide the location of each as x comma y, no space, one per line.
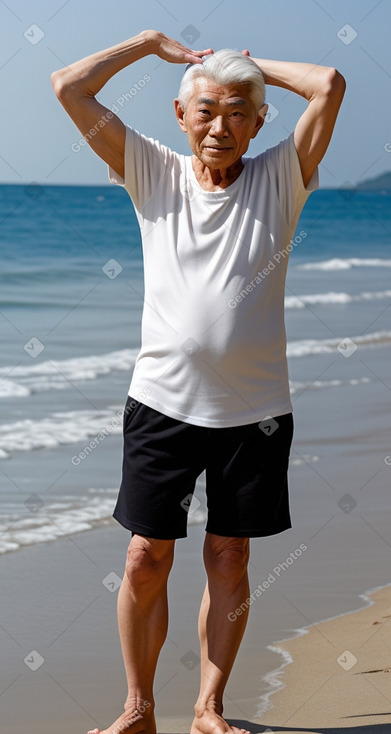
204,112
237,114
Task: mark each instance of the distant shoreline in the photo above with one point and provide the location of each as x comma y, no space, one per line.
379,183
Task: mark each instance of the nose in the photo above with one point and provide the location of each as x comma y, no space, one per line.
218,128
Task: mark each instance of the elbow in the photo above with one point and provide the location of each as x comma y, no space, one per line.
335,83
338,81
60,84
57,83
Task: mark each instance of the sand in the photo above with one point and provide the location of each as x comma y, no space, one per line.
55,605
340,674
336,676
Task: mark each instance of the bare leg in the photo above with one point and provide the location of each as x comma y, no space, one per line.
142,622
227,588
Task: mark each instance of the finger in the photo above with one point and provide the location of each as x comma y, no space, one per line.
246,52
196,57
205,52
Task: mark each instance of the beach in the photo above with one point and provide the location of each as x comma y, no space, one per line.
70,336
61,661
337,674
95,283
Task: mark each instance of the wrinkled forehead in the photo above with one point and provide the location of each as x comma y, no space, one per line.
211,92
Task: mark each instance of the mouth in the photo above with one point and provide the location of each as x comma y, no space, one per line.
216,148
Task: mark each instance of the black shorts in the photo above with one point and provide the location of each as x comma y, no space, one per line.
245,467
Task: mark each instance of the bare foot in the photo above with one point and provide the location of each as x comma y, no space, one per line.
212,723
130,722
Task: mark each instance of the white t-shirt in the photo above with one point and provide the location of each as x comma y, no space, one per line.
213,342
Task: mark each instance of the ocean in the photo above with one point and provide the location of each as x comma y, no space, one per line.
70,310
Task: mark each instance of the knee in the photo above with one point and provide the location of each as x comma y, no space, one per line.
148,560
226,559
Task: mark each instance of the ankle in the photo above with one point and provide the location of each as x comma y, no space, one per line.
212,704
140,705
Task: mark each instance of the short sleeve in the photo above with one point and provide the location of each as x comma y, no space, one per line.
145,163
282,162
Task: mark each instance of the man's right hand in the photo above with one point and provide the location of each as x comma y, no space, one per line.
76,86
174,52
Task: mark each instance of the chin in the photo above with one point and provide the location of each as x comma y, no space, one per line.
217,160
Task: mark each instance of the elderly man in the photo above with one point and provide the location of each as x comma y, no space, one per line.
210,387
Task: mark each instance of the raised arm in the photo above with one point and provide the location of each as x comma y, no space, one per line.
76,86
323,87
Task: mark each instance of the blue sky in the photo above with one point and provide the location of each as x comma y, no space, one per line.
37,135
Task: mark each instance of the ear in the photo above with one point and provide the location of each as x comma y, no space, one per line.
180,115
260,119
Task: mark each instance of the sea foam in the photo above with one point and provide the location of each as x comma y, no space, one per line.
337,263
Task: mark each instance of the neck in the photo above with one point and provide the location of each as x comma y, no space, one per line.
211,179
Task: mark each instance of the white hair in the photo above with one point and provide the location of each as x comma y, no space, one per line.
224,67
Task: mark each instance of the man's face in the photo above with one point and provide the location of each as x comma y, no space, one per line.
219,121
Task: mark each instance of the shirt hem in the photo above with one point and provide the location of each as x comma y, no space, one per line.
214,423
